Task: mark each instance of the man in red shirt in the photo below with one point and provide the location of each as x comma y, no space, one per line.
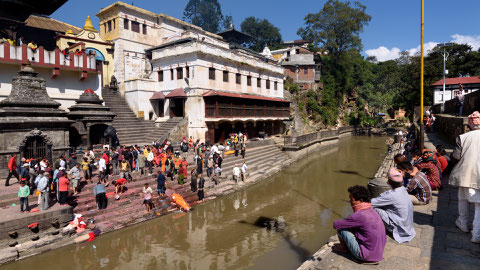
119,183
12,169
63,190
106,156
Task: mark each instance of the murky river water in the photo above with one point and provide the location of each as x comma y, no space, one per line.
222,234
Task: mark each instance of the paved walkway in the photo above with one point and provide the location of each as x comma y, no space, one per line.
438,244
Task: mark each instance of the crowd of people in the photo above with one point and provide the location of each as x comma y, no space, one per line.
55,180
417,172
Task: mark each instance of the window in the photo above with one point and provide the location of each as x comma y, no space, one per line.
171,74
275,85
225,76
305,71
249,80
268,84
259,82
297,51
136,27
113,21
144,29
288,53
211,73
125,24
187,72
160,76
109,26
179,73
238,78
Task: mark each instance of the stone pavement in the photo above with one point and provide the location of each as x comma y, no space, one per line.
438,244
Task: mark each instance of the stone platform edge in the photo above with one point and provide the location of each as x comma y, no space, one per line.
379,175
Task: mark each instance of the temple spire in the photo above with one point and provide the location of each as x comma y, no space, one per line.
89,25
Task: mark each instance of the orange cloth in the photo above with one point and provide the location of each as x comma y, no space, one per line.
178,199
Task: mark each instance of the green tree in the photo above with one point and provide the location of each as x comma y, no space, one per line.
336,27
205,13
263,32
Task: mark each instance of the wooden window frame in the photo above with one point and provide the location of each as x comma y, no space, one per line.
211,74
179,73
238,78
135,27
225,75
160,76
125,24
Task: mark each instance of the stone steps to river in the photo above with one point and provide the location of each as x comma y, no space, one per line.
132,130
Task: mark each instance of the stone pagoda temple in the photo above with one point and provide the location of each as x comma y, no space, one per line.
91,120
31,123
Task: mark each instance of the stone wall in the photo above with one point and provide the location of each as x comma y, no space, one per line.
470,104
450,126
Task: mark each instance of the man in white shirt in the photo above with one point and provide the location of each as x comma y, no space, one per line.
236,173
244,170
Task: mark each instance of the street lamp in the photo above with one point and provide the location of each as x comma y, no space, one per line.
445,56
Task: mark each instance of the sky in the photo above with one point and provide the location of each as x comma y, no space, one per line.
395,24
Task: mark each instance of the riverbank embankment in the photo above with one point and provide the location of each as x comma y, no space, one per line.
438,243
264,159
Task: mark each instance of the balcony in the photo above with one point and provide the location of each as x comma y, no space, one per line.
56,60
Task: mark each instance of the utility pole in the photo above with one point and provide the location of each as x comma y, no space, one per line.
445,57
422,131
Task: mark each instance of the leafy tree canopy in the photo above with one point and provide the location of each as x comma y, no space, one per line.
263,32
336,27
207,14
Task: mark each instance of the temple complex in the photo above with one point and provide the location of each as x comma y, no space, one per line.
167,68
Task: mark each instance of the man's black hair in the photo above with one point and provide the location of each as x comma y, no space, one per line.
405,166
360,193
418,153
397,157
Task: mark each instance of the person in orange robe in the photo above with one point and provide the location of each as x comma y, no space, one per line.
185,165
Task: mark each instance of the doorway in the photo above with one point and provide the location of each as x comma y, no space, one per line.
35,147
177,107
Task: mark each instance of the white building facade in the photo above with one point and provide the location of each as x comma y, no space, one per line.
178,70
452,88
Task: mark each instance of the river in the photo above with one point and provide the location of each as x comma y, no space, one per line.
307,197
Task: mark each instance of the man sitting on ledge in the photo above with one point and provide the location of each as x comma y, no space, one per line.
363,232
395,208
417,184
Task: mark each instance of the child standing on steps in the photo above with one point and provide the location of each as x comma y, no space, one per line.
85,166
147,198
23,193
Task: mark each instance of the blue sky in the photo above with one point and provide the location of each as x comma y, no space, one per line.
395,24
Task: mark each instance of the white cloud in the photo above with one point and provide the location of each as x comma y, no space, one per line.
383,53
473,41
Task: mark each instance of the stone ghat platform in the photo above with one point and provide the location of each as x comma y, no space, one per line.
263,161
437,245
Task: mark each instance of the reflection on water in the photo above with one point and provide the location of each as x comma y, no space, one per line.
276,224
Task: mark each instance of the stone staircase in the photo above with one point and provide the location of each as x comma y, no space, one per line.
129,209
132,130
262,161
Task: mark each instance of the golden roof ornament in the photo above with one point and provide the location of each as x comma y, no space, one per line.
69,32
89,26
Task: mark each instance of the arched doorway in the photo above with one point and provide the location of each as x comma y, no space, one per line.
251,131
35,147
223,131
239,127
96,134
